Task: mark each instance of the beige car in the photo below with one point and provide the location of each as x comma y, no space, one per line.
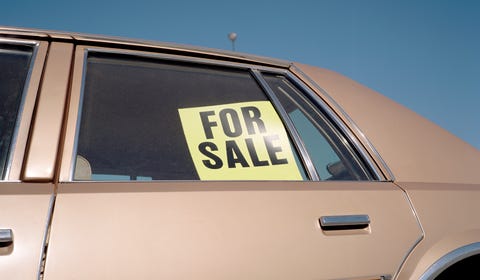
135,160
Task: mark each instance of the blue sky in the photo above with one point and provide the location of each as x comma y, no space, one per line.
424,54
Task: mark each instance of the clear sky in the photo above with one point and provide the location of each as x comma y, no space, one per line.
424,54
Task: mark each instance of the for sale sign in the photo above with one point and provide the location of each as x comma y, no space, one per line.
239,141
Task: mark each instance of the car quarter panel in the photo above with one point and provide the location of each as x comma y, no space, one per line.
449,216
415,149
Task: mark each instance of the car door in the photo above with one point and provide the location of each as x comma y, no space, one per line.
179,167
24,206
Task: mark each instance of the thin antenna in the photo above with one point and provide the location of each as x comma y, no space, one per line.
232,36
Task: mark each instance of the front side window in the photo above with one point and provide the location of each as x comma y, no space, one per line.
14,66
148,119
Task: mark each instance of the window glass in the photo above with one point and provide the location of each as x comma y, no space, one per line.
147,119
331,154
14,65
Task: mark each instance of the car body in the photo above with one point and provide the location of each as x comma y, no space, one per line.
126,159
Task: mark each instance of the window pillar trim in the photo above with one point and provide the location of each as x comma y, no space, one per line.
291,130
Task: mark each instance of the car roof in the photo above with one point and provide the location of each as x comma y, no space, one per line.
140,44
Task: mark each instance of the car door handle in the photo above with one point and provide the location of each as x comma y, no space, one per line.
344,222
6,237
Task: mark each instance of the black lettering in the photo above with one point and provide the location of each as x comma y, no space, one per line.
273,150
230,131
234,155
207,124
252,115
253,153
217,162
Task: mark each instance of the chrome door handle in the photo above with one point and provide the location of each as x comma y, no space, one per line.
344,222
6,237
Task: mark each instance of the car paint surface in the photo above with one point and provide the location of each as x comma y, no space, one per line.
422,207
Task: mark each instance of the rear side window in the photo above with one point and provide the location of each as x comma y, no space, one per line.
330,152
147,119
14,67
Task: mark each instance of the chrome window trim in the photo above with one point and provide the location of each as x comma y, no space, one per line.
79,117
291,130
13,144
171,57
379,167
256,72
363,155
451,258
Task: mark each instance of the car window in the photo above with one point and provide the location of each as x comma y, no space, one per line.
14,66
151,119
330,152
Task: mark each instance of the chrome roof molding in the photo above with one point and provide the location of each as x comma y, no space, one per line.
106,40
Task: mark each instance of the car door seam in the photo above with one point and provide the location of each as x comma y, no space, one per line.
43,256
422,236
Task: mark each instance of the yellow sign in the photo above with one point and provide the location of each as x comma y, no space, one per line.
239,141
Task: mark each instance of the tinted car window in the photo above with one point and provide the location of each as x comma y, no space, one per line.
147,119
330,152
14,65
